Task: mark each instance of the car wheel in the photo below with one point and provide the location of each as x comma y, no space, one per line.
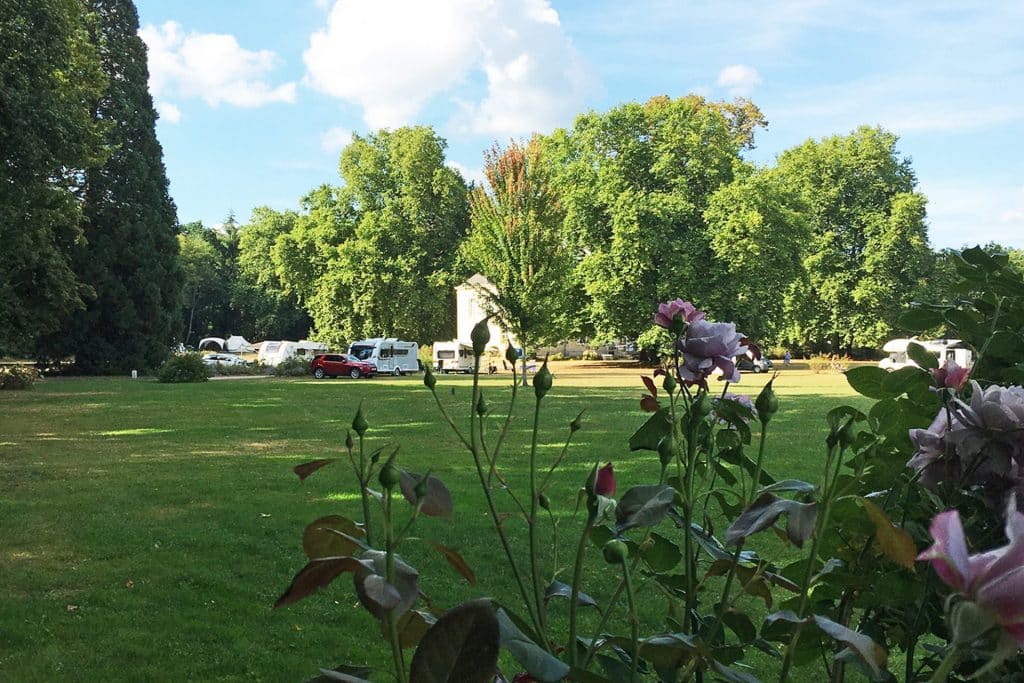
396,372
758,369
355,373
319,373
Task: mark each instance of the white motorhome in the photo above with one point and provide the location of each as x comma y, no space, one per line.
275,352
389,355
453,356
944,350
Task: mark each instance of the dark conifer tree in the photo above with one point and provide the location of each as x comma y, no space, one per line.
130,258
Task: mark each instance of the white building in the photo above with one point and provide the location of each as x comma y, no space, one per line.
471,307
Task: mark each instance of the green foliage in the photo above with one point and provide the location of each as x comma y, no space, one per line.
868,251
295,366
17,377
377,256
634,183
186,367
51,78
129,257
516,242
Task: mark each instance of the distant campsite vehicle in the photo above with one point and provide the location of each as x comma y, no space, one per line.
389,355
453,356
275,352
233,344
944,350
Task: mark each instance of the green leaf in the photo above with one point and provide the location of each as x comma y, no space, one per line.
643,506
557,589
411,627
740,624
905,380
762,514
919,319
871,654
661,554
867,381
379,596
538,662
923,358
462,646
1004,344
344,673
895,543
732,675
651,433
789,485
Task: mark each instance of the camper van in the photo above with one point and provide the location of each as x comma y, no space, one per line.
944,350
274,352
390,356
453,356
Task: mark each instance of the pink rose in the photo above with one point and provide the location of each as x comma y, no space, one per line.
668,311
951,376
993,580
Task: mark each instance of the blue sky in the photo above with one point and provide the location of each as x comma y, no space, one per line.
257,98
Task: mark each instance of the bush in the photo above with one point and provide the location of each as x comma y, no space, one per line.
224,369
822,363
17,377
591,355
295,366
188,367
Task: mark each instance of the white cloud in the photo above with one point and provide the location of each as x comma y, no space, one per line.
168,112
212,66
391,57
470,175
334,139
739,79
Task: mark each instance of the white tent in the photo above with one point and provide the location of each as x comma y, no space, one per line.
237,344
212,343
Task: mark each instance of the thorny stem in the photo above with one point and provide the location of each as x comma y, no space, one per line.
492,468
634,623
532,528
389,559
364,480
481,475
577,573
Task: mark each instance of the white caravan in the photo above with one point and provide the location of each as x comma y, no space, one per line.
944,350
275,352
453,356
389,355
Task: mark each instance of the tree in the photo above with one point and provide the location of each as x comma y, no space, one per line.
50,72
265,310
517,242
757,232
130,257
377,256
868,251
635,183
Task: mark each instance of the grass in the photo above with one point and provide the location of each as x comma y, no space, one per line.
147,529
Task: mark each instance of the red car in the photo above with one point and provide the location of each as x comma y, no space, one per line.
335,364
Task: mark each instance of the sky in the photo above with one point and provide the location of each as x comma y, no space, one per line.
257,98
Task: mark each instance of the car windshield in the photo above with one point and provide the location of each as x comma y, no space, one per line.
361,352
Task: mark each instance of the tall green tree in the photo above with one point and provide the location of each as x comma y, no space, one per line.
868,251
758,230
378,255
49,73
635,182
199,264
265,310
130,258
517,241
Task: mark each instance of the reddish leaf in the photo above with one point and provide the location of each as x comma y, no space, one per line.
461,647
456,561
308,468
649,383
317,574
649,404
332,536
380,597
437,501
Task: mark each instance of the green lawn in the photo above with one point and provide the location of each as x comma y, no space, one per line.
146,529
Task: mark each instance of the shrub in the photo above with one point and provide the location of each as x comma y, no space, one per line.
591,355
224,369
188,367
292,367
17,377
